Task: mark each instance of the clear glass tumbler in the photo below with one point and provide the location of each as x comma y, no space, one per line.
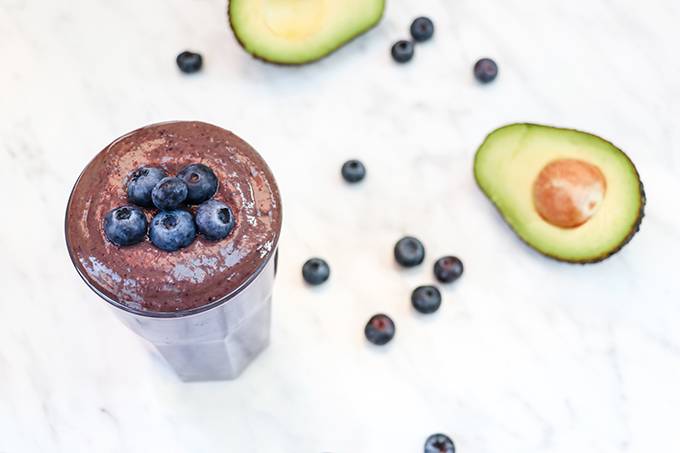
233,279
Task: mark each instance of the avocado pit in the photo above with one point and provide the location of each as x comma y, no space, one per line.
568,192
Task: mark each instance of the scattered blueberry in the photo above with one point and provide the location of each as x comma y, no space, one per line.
125,225
422,29
172,230
201,181
426,299
214,220
380,329
402,51
189,62
141,184
448,269
409,251
316,271
169,193
353,171
439,443
486,70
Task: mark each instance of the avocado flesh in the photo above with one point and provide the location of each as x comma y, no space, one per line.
300,31
511,157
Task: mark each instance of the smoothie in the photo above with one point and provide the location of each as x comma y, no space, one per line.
145,278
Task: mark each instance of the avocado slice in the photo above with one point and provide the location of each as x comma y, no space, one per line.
570,195
296,32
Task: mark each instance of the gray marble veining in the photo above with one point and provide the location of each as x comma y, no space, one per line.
526,355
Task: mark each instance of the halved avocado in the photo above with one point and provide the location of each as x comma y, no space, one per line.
300,31
568,194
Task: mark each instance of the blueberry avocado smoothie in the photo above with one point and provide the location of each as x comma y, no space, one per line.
173,217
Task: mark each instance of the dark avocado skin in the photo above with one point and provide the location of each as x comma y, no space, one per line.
634,229
302,63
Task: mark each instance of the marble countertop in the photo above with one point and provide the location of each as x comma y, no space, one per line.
526,354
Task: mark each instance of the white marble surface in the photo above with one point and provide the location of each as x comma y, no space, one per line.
526,355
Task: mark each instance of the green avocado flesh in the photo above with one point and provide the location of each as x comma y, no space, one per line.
508,163
300,31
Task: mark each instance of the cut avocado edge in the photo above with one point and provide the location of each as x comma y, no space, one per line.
258,55
632,230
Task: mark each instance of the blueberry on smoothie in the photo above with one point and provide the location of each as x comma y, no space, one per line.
214,220
172,230
125,225
200,180
141,184
169,193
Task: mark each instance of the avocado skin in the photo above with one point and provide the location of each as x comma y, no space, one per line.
302,63
634,229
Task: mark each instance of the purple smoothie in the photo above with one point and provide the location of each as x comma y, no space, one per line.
145,279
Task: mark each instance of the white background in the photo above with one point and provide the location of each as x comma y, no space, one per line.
526,354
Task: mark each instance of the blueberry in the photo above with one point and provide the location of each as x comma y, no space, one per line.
379,329
448,269
172,230
169,193
214,220
141,184
409,251
426,299
189,62
422,29
402,51
316,271
201,181
439,443
125,225
353,171
486,70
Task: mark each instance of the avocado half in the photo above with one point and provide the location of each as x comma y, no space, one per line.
595,199
294,32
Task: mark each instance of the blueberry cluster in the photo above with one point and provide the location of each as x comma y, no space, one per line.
380,329
173,227
422,29
410,252
485,70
